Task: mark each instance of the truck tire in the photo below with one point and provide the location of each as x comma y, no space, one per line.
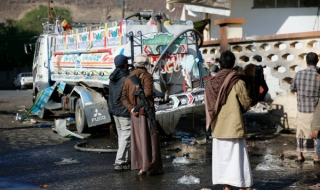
81,120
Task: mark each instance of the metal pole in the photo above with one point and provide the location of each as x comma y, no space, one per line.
107,12
123,7
49,14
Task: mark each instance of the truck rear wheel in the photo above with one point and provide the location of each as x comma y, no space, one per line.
81,121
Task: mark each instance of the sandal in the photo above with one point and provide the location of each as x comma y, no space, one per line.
316,186
142,173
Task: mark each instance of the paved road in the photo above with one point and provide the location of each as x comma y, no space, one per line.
31,158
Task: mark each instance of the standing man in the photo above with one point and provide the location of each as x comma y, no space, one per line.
145,146
307,87
226,98
261,85
120,114
210,66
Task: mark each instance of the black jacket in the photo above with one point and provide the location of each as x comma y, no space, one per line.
115,90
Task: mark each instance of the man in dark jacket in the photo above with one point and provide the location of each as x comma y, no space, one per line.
120,113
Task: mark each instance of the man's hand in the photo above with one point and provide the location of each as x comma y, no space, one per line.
134,113
314,134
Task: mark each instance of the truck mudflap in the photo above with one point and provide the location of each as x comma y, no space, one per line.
95,106
97,114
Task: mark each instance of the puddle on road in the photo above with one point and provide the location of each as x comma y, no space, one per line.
194,152
278,154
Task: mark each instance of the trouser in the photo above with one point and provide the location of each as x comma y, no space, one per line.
123,129
318,146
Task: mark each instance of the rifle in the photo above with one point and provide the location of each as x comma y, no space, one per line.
144,101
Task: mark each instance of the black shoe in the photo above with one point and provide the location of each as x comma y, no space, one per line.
118,167
300,160
123,166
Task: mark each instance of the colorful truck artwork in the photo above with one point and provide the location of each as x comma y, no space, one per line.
82,60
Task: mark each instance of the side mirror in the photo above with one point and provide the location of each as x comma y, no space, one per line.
28,48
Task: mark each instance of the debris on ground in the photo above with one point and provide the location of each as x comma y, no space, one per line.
316,186
45,186
67,161
187,140
188,180
176,149
269,164
202,140
61,129
22,108
278,128
31,121
260,107
43,125
181,160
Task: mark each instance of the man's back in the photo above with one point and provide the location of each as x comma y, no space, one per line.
306,84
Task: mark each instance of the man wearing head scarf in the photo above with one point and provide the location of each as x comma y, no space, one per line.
145,147
226,98
120,113
210,66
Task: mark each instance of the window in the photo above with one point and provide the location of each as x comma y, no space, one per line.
284,3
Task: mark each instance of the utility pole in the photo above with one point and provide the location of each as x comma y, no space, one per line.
107,12
123,7
49,13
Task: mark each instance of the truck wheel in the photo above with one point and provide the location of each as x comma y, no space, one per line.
81,121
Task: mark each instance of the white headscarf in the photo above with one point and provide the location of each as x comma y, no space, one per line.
141,60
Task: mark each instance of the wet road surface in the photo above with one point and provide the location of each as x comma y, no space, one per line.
34,158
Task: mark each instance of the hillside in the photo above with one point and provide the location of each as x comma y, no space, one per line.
86,10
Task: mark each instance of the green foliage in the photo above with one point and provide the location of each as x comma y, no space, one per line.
33,20
15,33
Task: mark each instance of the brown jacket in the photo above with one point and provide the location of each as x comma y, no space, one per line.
229,122
128,99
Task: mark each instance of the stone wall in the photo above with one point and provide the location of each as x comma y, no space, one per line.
282,57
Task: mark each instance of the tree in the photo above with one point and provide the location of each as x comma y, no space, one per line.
15,33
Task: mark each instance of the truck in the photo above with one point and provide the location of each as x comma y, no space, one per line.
76,63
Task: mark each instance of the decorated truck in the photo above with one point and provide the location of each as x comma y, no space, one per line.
72,65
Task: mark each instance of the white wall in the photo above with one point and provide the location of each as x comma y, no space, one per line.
269,21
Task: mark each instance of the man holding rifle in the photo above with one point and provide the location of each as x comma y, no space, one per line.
138,98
